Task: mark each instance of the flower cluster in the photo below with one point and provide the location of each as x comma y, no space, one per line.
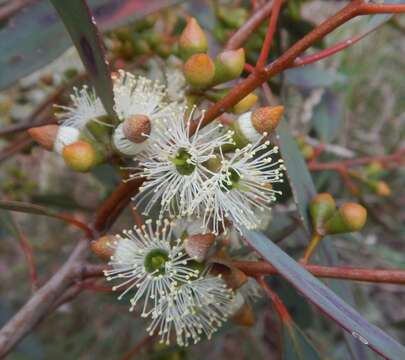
180,296
213,178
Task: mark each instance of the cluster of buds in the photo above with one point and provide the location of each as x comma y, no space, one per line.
200,70
370,177
140,38
327,219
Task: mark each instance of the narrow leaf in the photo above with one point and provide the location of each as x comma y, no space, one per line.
82,28
325,299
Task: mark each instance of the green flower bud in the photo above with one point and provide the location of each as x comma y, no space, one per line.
321,208
229,65
199,71
349,218
80,156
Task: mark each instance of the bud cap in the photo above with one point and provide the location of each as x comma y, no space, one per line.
137,128
192,40
198,246
102,247
44,135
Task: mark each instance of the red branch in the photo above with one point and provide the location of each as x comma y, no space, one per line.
271,29
278,304
353,9
392,276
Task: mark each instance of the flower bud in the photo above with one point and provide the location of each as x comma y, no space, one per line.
80,156
198,246
229,65
244,316
321,208
233,277
124,146
349,218
383,189
379,187
102,247
137,128
253,125
245,104
266,119
44,135
199,71
192,40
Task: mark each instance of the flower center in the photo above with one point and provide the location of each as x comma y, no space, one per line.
155,261
232,180
183,163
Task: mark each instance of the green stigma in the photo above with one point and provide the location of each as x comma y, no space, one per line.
155,261
232,181
183,163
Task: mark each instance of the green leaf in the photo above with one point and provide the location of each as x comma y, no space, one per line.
313,76
328,115
298,175
82,28
25,38
325,299
296,345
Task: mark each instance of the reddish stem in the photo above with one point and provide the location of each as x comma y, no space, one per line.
271,29
243,33
392,276
29,255
281,309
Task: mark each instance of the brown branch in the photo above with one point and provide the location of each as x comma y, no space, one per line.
28,253
11,8
353,9
392,276
248,28
44,300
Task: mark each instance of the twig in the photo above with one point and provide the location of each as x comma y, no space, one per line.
44,300
351,10
392,276
243,33
28,253
11,8
271,29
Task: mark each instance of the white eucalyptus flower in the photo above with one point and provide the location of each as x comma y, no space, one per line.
151,263
243,186
174,166
86,106
193,310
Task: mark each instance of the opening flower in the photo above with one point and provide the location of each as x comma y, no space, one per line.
150,262
243,186
174,166
86,106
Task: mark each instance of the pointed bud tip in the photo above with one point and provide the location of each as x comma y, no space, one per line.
137,128
229,65
199,71
323,198
80,156
192,40
102,247
44,135
267,118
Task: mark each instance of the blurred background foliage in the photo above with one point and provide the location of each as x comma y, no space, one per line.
352,101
